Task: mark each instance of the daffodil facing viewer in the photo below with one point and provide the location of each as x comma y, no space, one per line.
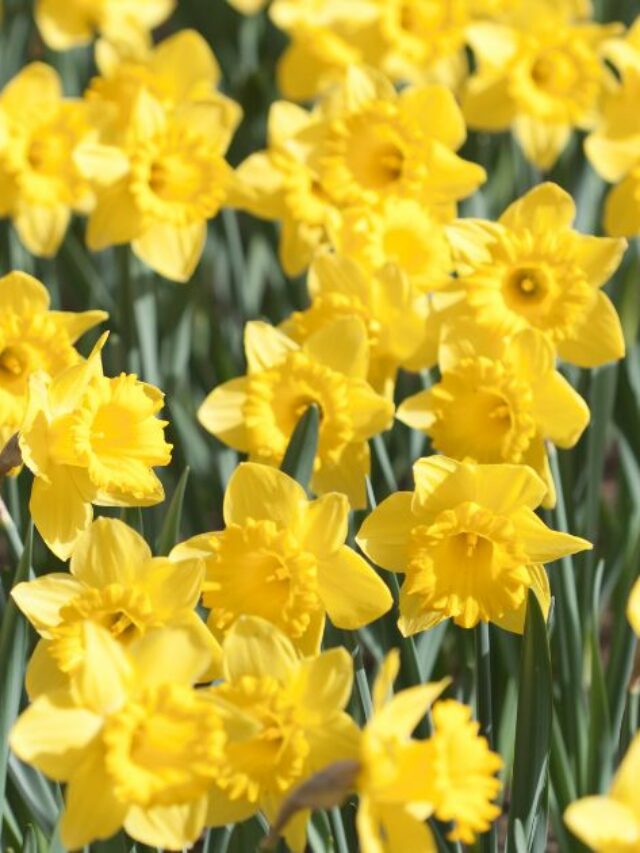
138,747
532,269
116,583
258,413
498,400
90,439
468,542
283,558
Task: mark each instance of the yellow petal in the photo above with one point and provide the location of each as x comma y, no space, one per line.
400,716
371,412
337,739
625,783
599,339
342,346
75,324
387,674
86,817
222,413
104,164
325,525
115,219
560,411
298,244
41,599
54,734
104,678
441,483
435,106
62,25
384,535
416,411
346,474
622,209
600,257
255,647
541,142
42,229
169,827
487,104
514,620
322,685
351,591
36,89
222,810
170,654
545,206
542,545
603,823
187,58
23,294
633,608
43,674
171,250
260,492
258,187
265,346
172,586
109,552
59,511
505,488
363,85
414,619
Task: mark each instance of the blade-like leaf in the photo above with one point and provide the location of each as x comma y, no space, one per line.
301,452
170,532
533,735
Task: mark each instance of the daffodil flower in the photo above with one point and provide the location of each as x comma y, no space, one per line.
33,338
258,413
469,543
90,439
116,583
498,401
284,558
138,747
297,707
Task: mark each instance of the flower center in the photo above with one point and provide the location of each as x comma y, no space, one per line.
483,412
554,72
260,570
125,612
48,154
467,565
273,759
277,398
14,361
526,287
164,748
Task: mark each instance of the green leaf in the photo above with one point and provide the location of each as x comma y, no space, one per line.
30,842
14,643
533,735
600,740
301,452
170,532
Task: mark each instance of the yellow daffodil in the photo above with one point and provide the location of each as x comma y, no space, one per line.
138,747
258,413
498,400
297,707
393,784
610,823
158,190
536,271
402,232
633,608
32,338
279,184
400,323
114,582
69,23
283,558
40,184
375,144
180,69
401,781
469,543
614,146
543,81
90,439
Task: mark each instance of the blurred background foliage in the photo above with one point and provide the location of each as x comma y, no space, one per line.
188,339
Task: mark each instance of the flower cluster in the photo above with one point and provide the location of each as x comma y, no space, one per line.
204,684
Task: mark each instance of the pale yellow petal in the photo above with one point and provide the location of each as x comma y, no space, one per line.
622,208
560,411
59,511
265,346
385,533
351,591
541,544
261,493
103,164
115,219
187,58
105,675
41,228
54,734
599,338
341,346
41,599
603,823
322,685
171,250
541,142
109,552
325,525
170,654
173,827
222,413
43,674
21,293
545,206
255,647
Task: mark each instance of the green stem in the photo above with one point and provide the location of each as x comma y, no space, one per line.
386,468
11,530
362,683
337,828
488,841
